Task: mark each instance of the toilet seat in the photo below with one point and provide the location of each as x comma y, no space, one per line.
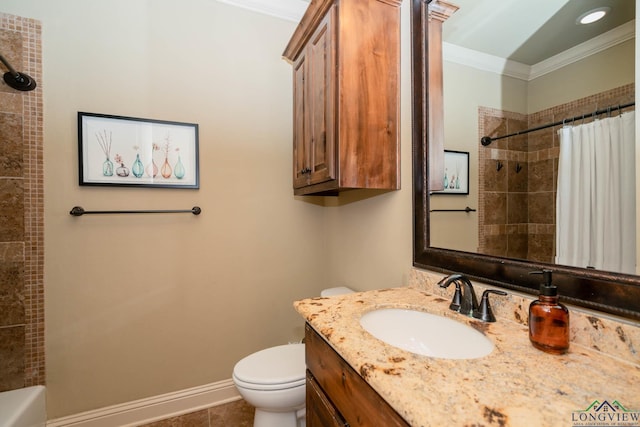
268,387
274,368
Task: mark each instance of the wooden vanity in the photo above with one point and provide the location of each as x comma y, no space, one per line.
336,394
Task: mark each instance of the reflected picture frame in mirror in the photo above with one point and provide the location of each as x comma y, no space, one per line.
613,293
456,173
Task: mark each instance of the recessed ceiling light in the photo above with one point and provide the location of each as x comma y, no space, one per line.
593,15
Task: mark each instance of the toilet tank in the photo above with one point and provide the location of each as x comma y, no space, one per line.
340,290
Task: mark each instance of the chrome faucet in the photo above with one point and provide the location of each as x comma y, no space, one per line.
465,303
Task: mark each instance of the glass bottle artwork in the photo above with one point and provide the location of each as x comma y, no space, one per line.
152,169
446,179
166,169
138,168
122,170
178,170
104,140
107,168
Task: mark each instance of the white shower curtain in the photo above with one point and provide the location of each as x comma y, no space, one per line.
596,199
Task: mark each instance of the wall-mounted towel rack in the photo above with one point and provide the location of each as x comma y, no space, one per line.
79,211
467,209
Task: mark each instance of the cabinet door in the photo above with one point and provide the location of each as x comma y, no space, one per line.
320,411
321,84
301,128
356,401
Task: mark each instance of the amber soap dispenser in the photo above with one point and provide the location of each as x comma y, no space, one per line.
548,319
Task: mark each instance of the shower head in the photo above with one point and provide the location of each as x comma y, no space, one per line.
16,80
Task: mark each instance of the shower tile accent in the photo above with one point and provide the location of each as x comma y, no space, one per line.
11,137
524,201
12,357
11,293
539,173
21,210
517,207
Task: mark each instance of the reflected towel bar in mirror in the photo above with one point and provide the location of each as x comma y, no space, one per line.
79,211
467,209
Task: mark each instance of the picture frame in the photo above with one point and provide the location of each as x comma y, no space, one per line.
129,151
456,173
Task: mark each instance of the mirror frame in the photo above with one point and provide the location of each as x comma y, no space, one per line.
613,293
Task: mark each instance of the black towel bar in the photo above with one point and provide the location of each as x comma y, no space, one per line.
79,211
467,209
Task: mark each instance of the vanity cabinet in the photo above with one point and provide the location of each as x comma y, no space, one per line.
346,80
320,410
336,394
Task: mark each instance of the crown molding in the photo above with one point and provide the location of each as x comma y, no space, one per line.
484,61
495,64
597,44
290,10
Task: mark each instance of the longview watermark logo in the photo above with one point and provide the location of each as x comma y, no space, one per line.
600,414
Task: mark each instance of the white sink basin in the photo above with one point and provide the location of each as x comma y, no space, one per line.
426,334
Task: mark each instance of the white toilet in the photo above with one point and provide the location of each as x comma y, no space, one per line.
273,381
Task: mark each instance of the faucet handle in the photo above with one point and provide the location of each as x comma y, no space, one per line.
456,302
484,312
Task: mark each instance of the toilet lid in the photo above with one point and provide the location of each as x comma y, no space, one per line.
276,365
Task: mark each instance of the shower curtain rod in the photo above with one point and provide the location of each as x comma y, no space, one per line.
486,140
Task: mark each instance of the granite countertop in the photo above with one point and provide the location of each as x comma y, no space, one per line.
515,385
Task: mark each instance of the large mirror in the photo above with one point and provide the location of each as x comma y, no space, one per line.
510,67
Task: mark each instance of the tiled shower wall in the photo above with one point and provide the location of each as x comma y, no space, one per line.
21,210
517,201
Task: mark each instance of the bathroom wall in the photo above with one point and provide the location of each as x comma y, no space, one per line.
466,89
21,211
141,305
562,86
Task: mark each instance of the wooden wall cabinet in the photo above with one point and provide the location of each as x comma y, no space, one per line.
337,395
346,89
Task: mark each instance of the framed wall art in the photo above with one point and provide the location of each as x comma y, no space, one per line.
456,173
129,151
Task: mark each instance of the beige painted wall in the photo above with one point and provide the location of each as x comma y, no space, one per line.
370,234
594,72
140,305
466,89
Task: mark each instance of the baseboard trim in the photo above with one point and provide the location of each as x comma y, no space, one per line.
155,408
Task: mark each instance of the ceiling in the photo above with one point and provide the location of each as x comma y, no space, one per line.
290,10
528,31
524,33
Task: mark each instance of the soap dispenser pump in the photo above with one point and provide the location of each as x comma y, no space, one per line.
548,319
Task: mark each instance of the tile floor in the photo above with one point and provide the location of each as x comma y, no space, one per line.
234,414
